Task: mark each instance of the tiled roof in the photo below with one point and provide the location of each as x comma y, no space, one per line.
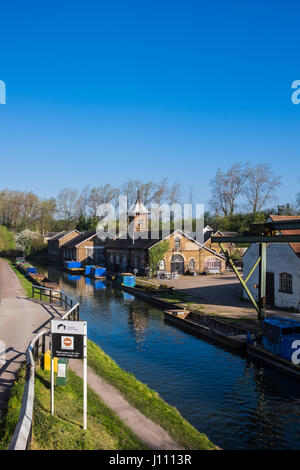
137,243
51,234
83,237
278,218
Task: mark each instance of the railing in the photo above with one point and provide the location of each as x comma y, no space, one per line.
58,296
22,434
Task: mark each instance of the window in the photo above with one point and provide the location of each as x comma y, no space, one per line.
212,263
162,265
177,243
286,283
192,264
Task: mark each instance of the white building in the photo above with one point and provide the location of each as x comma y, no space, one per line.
283,269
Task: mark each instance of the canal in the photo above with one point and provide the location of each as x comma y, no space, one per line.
238,404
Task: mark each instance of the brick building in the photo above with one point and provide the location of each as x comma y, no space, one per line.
55,244
87,248
185,253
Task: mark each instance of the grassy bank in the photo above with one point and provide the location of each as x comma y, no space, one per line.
9,422
25,283
63,430
146,400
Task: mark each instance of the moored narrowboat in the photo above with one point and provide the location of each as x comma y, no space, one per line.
279,345
217,330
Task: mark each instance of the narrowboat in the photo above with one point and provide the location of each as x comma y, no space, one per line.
220,331
73,266
278,345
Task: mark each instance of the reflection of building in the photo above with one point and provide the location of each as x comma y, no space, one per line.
139,321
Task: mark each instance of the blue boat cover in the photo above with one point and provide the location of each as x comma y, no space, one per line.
72,264
31,270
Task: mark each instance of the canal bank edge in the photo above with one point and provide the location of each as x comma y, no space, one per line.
147,401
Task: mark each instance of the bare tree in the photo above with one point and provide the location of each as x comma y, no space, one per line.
174,193
261,186
161,192
227,187
100,195
130,189
82,203
66,202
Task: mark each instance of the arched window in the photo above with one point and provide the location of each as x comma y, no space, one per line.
177,243
192,264
286,283
162,265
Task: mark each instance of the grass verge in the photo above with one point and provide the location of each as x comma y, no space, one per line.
9,422
147,401
25,283
63,430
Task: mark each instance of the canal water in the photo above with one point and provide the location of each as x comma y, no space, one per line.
237,403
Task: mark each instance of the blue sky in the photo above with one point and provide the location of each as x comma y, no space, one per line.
99,92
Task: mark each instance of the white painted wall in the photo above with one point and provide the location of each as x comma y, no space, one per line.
280,259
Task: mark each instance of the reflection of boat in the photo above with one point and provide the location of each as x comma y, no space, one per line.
278,345
73,266
218,330
128,297
99,285
74,277
287,367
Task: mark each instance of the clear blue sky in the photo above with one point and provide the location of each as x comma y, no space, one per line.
104,91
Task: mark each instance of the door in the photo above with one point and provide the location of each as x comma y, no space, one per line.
270,289
177,264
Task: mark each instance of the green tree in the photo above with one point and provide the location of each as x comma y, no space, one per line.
7,241
157,253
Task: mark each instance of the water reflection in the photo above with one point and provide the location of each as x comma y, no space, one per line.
238,404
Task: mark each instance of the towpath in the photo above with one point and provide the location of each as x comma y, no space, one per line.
153,435
20,320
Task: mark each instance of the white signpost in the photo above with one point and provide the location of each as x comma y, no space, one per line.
69,340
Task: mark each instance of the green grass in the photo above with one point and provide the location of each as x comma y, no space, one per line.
63,430
9,422
25,283
147,401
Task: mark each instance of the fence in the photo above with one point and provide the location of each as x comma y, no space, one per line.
22,434
58,296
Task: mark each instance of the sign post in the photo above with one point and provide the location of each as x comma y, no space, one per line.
69,340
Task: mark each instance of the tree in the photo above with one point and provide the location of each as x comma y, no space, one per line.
227,187
174,193
82,202
261,186
24,241
157,253
161,192
7,242
102,194
66,202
